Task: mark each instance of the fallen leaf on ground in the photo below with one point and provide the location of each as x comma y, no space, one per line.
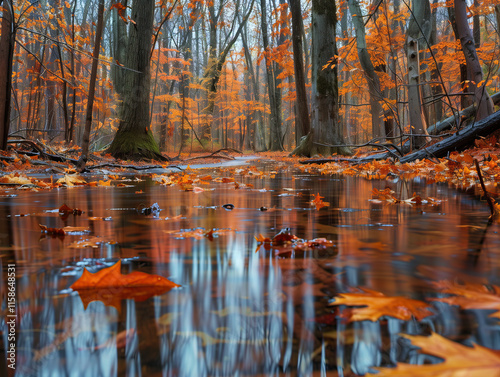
471,296
16,178
376,304
459,360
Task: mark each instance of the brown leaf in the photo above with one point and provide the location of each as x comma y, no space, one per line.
112,277
459,360
471,296
376,305
110,286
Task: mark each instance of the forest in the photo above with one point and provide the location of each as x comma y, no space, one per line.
140,78
249,188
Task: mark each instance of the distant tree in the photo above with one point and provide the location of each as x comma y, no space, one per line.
134,139
216,60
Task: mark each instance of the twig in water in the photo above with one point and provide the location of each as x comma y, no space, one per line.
489,199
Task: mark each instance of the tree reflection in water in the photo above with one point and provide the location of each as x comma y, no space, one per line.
241,312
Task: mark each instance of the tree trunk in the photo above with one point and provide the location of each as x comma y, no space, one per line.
118,47
302,121
272,83
259,141
418,29
7,40
326,135
368,69
93,76
436,108
134,139
481,97
418,124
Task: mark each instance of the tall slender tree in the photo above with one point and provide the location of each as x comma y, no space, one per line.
302,121
368,68
418,34
93,76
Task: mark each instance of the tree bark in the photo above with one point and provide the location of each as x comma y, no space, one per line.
134,139
119,38
302,121
481,98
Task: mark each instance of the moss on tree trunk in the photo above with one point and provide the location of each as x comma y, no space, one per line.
131,145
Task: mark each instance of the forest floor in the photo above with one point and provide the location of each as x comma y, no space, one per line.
54,166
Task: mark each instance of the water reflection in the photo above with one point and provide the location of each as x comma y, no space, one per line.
242,309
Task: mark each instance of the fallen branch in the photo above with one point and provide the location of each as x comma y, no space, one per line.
134,167
40,152
216,155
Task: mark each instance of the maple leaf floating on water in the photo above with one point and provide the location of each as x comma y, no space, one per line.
112,277
110,286
377,304
459,360
471,296
318,202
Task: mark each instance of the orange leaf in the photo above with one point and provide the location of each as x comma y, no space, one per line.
377,304
112,277
110,286
471,296
459,360
318,202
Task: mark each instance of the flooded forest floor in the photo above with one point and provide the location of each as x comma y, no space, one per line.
235,265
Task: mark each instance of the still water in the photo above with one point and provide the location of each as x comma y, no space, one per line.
243,308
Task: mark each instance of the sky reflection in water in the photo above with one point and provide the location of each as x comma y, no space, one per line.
241,310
